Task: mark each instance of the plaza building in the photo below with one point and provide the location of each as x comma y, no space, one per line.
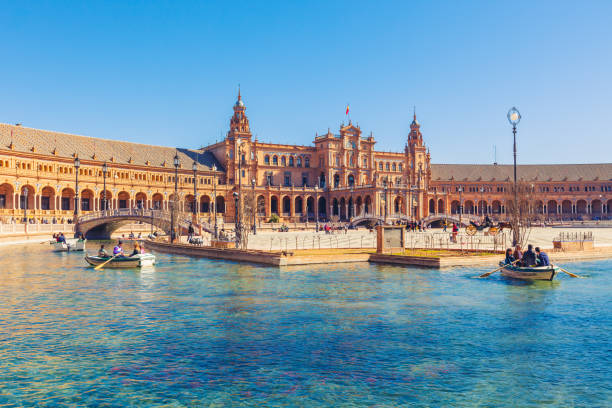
338,177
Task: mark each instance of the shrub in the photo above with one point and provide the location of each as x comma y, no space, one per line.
274,218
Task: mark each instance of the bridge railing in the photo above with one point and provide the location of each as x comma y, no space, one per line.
182,219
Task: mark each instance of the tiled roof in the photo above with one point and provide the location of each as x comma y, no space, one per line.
44,142
527,172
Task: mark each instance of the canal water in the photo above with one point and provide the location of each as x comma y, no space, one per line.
197,332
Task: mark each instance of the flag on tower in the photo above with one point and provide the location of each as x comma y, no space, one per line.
347,108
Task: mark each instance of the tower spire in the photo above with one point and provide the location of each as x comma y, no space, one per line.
239,98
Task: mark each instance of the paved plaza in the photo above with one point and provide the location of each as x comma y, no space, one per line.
363,238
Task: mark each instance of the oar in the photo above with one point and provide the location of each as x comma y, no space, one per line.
97,268
573,275
484,275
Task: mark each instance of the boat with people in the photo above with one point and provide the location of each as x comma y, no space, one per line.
73,244
547,272
120,262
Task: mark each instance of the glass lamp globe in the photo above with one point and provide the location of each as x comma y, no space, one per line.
514,116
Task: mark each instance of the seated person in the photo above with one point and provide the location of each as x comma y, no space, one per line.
102,252
118,250
518,254
509,258
542,257
529,257
136,250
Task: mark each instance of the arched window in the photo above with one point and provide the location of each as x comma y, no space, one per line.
299,162
351,160
380,166
400,167
394,167
267,159
387,167
351,180
290,161
306,161
283,161
275,161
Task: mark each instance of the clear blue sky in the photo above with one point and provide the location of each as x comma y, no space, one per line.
167,72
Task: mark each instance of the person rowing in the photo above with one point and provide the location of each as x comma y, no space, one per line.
529,257
118,250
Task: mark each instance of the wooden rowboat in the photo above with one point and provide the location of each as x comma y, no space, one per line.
72,244
136,261
530,273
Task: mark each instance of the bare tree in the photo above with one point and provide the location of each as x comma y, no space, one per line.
523,218
248,212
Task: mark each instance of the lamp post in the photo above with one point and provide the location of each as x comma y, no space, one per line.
25,205
385,190
194,167
481,198
172,220
514,117
352,205
214,169
602,207
317,206
236,220
254,206
104,171
238,197
77,165
460,205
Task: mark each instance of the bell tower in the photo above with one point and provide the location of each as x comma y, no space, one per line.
239,123
415,137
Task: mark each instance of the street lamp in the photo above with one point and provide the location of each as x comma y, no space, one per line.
236,220
238,197
317,206
254,206
172,220
195,181
214,169
385,190
514,117
77,165
352,205
25,205
460,205
104,171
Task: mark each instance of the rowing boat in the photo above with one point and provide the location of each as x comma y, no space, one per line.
73,244
529,273
135,261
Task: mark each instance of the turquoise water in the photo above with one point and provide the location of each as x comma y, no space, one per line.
196,332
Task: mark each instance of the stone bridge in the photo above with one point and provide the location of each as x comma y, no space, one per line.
465,219
101,224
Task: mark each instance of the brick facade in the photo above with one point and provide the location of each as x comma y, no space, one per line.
340,175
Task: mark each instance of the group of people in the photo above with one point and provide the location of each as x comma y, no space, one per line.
59,237
118,251
527,258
